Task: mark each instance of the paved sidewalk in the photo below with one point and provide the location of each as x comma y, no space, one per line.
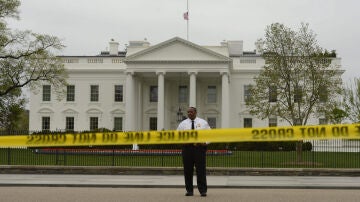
176,181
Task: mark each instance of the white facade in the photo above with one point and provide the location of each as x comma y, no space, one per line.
212,78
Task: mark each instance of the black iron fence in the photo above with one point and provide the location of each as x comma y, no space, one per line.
315,154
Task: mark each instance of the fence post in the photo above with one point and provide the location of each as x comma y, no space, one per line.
9,155
57,157
113,155
64,157
313,158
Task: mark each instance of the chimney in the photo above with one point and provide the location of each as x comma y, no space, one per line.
235,48
139,44
113,46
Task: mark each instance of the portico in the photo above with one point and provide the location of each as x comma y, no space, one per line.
169,103
169,66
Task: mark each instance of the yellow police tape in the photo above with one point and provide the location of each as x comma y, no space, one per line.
287,133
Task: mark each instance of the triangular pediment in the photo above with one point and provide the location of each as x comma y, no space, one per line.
176,50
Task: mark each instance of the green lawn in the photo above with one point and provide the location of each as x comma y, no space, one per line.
279,159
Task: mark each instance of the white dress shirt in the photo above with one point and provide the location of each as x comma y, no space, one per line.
199,124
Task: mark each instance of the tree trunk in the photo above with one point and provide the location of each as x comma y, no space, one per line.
299,151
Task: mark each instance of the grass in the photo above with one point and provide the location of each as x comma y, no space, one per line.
268,159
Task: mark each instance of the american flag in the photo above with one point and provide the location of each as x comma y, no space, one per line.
186,16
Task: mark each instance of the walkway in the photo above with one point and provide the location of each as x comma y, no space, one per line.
176,181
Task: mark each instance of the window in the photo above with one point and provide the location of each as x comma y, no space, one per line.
94,93
153,93
297,94
183,94
153,123
118,93
272,94
46,93
70,93
273,122
211,94
45,123
212,122
247,122
247,92
323,94
69,125
94,123
323,121
118,123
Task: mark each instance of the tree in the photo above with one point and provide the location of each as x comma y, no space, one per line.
8,8
297,81
27,58
13,114
351,100
337,115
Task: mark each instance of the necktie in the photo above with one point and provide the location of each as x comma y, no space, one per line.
192,125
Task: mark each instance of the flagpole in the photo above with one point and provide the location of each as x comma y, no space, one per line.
187,23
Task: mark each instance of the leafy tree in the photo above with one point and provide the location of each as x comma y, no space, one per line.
351,100
13,114
297,81
337,115
8,8
27,58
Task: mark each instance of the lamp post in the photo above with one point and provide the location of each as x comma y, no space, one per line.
180,115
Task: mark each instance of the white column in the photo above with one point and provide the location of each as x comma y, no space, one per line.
192,98
225,102
161,101
129,102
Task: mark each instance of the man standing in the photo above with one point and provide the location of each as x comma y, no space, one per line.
194,154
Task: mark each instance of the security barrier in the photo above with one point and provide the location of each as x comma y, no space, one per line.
286,133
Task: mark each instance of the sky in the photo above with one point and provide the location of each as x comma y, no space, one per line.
86,26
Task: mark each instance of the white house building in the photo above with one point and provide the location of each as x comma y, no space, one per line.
149,87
